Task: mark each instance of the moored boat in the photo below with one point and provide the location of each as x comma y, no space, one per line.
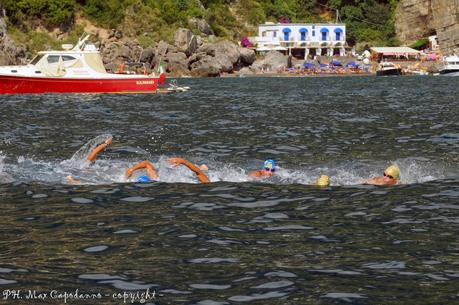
450,65
76,69
388,68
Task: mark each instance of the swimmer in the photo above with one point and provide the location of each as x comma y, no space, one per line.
152,174
323,180
197,170
390,177
269,167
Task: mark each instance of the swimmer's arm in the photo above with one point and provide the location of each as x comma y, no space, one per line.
100,148
256,174
70,180
151,171
381,181
179,161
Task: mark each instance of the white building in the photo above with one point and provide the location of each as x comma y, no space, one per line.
303,39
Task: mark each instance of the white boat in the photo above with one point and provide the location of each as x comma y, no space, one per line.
450,65
73,69
388,68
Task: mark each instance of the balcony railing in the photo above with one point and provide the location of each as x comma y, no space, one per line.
293,43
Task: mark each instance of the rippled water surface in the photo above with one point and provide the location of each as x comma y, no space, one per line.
236,240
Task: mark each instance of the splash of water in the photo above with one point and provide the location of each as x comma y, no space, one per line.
79,157
413,170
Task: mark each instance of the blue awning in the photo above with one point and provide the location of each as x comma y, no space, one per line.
324,30
352,64
303,30
286,30
338,30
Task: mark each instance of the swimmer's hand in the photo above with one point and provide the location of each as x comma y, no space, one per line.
129,172
70,180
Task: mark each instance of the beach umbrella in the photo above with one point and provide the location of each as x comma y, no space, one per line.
336,63
352,64
309,65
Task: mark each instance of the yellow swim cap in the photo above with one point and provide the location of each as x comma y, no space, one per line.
323,180
393,171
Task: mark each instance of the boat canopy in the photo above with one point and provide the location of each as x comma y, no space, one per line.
94,61
394,51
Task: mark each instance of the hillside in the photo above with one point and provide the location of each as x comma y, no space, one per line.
37,23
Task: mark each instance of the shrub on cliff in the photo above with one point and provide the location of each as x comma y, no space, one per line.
48,13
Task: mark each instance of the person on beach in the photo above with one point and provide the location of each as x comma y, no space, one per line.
269,167
390,177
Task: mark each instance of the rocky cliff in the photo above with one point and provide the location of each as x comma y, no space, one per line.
416,19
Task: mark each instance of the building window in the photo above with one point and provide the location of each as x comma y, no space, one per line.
338,32
274,34
303,32
324,32
313,33
287,32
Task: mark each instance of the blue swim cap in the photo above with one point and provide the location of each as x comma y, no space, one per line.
269,165
144,179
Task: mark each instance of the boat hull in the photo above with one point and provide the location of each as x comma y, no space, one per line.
389,72
450,72
21,84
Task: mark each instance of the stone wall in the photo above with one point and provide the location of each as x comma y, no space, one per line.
416,19
446,22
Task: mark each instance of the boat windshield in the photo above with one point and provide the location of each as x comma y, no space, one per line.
36,59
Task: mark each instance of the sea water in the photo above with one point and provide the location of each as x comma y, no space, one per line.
236,240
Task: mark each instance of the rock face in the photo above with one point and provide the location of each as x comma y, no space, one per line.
10,53
420,18
201,25
185,41
273,62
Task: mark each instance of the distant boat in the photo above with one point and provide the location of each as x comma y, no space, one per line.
388,68
76,69
450,65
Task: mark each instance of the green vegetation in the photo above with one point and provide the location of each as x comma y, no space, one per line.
369,21
420,44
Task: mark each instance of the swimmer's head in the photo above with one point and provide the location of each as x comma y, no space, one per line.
392,172
323,180
269,165
142,179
